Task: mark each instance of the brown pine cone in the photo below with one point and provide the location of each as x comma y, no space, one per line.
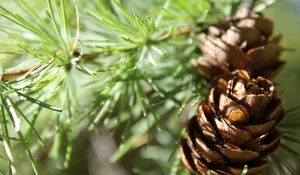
242,42
235,126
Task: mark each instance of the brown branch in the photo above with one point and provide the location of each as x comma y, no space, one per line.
183,31
18,73
12,75
15,74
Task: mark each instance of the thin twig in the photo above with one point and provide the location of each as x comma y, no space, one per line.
248,4
183,31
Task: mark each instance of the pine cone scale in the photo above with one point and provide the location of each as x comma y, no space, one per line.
231,134
277,111
270,142
224,130
236,155
223,53
259,129
241,36
187,158
253,169
195,140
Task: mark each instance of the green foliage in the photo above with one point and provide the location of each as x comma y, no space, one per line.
97,64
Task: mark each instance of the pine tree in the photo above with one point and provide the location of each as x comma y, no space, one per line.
107,86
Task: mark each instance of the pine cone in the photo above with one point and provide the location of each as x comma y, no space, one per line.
242,42
235,126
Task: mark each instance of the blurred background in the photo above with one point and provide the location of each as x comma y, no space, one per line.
286,16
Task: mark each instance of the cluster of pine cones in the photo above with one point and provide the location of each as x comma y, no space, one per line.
236,125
